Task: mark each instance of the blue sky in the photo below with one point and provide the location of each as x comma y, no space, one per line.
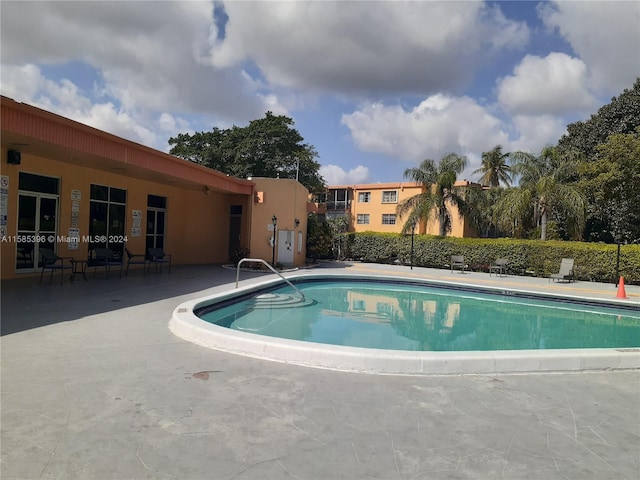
375,86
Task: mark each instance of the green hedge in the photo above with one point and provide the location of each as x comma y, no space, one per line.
593,261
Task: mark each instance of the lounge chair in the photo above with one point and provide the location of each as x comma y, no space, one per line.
103,257
457,261
499,266
135,259
158,257
566,271
51,261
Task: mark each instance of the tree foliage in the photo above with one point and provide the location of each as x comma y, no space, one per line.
612,185
545,182
621,116
267,147
495,168
438,180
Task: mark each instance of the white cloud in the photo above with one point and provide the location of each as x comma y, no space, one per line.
66,99
606,35
148,54
556,84
21,82
365,46
536,132
335,175
438,125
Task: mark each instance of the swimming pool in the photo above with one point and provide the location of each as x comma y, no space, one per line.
392,325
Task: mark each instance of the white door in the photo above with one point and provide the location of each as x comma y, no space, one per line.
285,247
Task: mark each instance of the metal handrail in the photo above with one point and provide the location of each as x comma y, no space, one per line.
259,260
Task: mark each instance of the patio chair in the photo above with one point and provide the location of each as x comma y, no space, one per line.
135,259
51,261
103,257
499,266
566,271
457,261
158,257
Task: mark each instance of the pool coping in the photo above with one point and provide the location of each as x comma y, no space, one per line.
186,325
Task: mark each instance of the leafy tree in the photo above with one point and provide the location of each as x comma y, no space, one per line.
438,180
612,185
267,147
481,209
622,115
495,169
339,227
319,238
544,181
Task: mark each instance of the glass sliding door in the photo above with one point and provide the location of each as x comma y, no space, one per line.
156,222
37,228
37,218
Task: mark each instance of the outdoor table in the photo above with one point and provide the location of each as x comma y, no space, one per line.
79,266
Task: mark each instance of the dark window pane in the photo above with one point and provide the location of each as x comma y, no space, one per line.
151,222
27,213
98,219
150,242
118,195
116,219
236,209
48,212
37,183
160,224
156,201
99,192
159,241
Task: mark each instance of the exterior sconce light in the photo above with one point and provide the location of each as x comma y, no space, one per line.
296,222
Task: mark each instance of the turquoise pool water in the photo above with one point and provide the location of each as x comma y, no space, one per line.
399,316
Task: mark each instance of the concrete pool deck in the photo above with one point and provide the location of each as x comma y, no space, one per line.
95,386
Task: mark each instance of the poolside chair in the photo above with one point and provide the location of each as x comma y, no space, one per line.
103,257
158,257
566,271
135,259
499,266
457,261
51,261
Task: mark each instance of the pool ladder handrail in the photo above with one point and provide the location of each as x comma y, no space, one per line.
259,260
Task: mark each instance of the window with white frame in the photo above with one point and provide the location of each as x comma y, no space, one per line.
388,218
364,197
362,219
389,196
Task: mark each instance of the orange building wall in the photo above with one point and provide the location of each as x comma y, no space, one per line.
194,220
375,208
287,200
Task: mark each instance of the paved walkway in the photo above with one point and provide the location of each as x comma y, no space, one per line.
95,386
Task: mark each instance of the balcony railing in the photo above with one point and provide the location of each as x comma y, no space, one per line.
339,205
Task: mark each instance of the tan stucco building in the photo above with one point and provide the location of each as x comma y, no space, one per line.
62,180
372,207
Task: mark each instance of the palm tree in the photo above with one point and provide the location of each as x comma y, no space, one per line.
438,180
495,169
544,181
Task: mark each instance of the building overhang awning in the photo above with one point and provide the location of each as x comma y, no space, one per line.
34,131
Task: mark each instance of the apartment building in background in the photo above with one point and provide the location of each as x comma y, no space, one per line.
372,207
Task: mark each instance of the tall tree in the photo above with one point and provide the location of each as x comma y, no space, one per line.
544,180
267,147
438,180
622,115
612,185
495,168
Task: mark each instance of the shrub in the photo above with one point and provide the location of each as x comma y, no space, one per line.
593,261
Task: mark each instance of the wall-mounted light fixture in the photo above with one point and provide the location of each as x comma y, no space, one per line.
296,222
